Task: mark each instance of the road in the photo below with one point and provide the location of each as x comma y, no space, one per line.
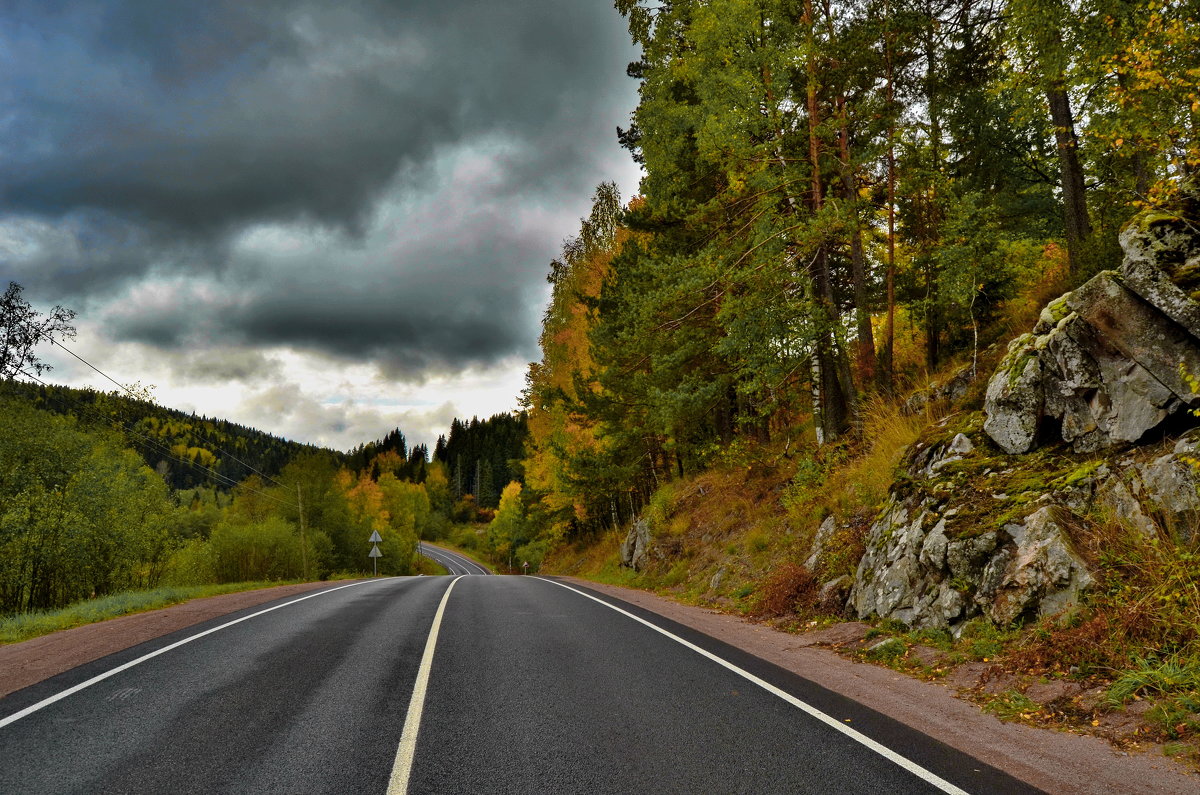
454,562
456,684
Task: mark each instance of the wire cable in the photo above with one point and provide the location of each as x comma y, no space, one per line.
131,393
157,445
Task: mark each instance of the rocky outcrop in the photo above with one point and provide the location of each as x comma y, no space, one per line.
966,533
1106,365
635,549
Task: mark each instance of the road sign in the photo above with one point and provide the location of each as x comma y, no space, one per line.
374,539
374,553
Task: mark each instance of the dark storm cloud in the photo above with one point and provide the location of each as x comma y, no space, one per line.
407,302
140,139
209,114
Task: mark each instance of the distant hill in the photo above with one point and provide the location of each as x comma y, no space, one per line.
186,449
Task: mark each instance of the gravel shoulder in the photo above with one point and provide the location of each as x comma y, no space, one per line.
1054,761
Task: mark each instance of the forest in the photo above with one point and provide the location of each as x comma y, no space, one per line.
104,493
840,202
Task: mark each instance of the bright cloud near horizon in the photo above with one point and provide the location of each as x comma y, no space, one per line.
325,220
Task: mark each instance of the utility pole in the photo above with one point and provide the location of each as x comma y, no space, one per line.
303,534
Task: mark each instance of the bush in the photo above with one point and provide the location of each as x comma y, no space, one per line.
790,588
266,550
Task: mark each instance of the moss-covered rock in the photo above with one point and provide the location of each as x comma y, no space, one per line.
1105,364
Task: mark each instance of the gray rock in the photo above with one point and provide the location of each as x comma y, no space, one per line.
1105,364
933,548
636,547
949,606
715,582
1172,490
961,444
966,557
1040,575
820,540
1015,398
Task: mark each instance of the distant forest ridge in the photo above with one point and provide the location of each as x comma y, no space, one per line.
190,450
186,449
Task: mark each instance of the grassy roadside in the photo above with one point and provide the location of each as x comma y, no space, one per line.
14,629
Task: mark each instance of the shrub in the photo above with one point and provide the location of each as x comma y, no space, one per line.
789,589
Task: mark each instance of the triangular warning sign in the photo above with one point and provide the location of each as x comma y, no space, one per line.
375,538
374,553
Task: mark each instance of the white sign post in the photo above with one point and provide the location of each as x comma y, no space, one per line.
375,554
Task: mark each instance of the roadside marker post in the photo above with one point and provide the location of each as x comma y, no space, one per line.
375,554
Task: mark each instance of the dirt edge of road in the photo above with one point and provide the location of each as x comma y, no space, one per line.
32,661
1057,762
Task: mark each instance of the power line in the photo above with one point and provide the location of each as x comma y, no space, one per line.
156,444
131,393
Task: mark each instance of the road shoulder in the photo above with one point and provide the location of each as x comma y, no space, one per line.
1054,761
35,660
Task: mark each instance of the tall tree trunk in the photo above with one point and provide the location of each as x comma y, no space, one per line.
865,348
888,372
928,225
835,401
1077,225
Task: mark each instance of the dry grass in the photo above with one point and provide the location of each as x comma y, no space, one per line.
790,589
1046,277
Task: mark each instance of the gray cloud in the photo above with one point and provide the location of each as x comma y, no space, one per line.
224,364
415,159
206,115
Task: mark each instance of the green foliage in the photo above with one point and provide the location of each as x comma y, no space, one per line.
887,651
79,515
481,454
14,629
1010,704
983,640
242,550
1155,676
188,451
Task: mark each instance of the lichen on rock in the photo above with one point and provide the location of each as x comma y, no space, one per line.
1104,365
967,531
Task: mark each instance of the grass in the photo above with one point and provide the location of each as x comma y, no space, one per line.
23,626
1011,705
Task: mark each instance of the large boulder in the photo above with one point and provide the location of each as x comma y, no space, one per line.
967,532
635,549
1107,364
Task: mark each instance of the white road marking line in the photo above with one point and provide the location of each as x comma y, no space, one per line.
402,767
16,716
453,561
834,723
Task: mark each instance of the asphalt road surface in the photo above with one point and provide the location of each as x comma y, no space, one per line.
456,684
453,561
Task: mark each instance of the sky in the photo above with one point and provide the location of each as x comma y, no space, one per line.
322,219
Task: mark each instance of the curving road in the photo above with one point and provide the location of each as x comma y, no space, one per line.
454,562
456,684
